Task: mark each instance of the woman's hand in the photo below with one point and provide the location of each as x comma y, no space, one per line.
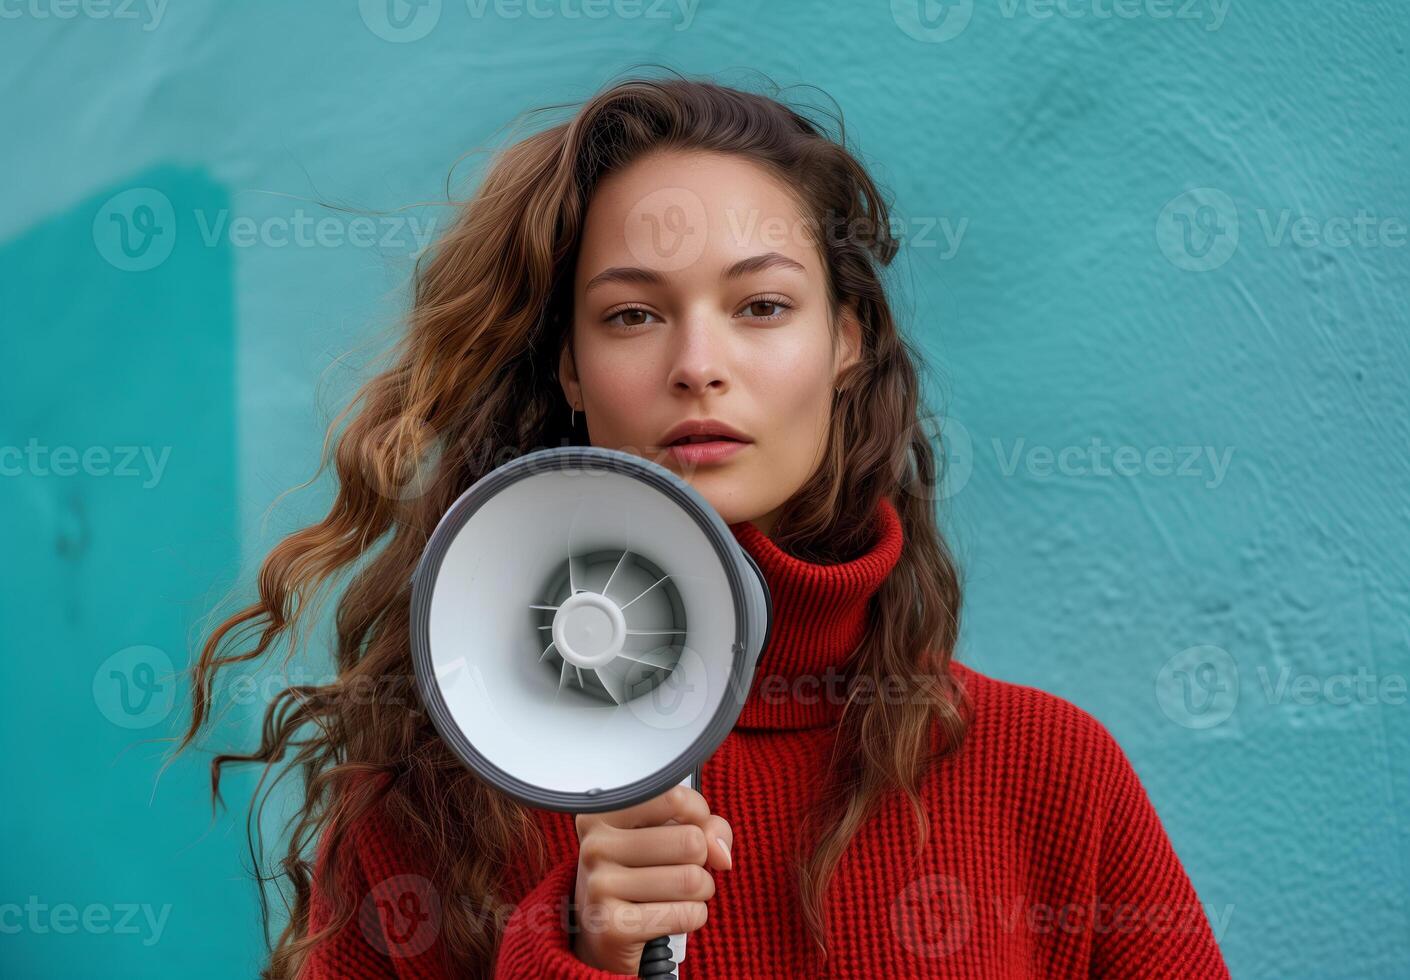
641,874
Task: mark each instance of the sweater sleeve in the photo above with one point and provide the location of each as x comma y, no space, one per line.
1149,920
536,943
394,932
347,953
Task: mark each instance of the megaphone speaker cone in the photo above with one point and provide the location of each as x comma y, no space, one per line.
585,628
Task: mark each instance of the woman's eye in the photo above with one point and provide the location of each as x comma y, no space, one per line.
765,309
632,316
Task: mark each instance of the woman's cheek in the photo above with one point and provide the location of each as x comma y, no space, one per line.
799,422
622,388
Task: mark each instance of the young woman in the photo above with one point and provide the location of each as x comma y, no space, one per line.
678,253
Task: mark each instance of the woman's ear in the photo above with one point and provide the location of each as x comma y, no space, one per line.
850,338
568,377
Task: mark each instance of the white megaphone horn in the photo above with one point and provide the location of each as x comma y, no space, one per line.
584,632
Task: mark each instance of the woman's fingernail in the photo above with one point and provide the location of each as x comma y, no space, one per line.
728,857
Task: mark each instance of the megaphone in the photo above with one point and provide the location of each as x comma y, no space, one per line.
584,632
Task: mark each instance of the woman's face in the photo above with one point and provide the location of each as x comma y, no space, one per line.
700,295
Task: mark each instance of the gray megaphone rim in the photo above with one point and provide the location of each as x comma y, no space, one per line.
716,531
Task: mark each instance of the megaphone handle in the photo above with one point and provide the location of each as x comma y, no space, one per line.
660,955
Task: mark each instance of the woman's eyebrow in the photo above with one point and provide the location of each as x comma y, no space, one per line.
758,263
648,277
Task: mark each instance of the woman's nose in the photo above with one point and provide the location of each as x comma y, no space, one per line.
698,359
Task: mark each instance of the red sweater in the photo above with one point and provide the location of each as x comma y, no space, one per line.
1045,856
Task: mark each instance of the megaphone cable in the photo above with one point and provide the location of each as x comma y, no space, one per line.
656,960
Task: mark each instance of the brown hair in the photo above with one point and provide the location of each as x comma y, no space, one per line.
477,370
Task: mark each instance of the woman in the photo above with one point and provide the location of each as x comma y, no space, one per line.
683,253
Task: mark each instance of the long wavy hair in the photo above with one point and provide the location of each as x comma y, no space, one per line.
471,383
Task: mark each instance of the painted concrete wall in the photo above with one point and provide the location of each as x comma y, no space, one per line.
1156,249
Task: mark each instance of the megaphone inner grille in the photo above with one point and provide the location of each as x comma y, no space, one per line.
612,624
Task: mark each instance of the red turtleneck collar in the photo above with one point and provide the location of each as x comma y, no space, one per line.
820,615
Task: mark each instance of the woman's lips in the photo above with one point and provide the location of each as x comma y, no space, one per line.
697,453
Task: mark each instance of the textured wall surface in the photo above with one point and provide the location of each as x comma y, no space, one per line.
1156,250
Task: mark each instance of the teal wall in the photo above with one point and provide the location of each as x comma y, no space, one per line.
1160,261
